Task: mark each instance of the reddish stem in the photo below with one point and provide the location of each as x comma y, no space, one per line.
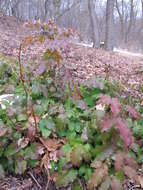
22,78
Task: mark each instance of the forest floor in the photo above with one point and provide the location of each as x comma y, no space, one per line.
85,62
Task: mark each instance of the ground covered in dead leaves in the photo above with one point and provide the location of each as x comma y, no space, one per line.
85,62
88,62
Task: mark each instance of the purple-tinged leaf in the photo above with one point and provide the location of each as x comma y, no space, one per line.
112,102
107,123
121,126
115,107
41,69
97,177
105,100
116,184
133,113
125,132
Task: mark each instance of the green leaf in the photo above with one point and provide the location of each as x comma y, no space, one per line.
61,121
45,132
67,151
2,173
78,127
10,150
16,135
20,167
71,135
46,126
77,185
21,117
48,123
36,91
30,152
33,163
66,148
1,150
104,153
66,177
82,170
120,175
80,153
41,108
71,126
88,173
86,153
129,122
85,171
77,155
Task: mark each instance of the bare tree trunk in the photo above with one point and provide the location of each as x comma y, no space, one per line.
94,37
142,10
29,10
46,9
109,41
15,8
121,17
131,20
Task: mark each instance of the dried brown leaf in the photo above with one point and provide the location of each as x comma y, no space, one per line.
2,131
130,172
97,177
116,184
51,144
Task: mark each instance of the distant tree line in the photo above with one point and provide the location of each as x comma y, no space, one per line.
116,22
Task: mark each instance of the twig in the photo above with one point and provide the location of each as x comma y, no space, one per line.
49,179
25,90
32,109
82,183
33,115
21,77
35,180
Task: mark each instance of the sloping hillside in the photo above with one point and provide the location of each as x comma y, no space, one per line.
86,62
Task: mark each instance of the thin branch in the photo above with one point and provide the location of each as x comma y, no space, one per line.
35,180
25,90
22,78
68,9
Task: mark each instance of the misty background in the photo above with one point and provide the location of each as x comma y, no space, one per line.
117,23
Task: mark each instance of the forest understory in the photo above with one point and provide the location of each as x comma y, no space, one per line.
86,66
